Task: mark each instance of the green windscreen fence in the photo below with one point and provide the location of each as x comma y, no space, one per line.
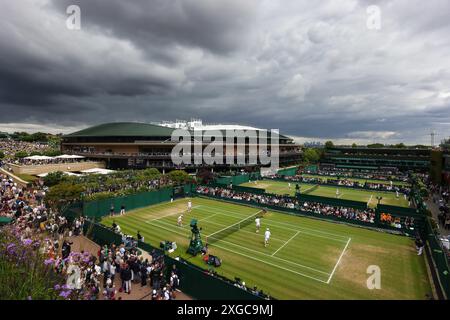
236,180
440,258
332,201
224,180
238,188
312,168
287,171
194,281
397,210
102,207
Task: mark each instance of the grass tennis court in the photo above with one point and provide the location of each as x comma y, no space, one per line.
395,183
306,258
369,196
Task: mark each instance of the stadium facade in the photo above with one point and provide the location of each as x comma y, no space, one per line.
440,164
363,158
130,145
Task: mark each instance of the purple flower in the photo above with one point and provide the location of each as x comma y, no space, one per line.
57,287
65,294
27,242
49,261
11,248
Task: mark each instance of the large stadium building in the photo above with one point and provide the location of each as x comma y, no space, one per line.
364,158
130,145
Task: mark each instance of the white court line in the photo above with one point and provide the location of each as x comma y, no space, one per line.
339,260
203,219
271,264
170,214
231,225
245,255
371,196
258,252
278,223
224,225
285,243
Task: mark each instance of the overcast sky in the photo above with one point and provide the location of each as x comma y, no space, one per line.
313,69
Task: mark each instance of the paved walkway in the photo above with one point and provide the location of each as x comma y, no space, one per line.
137,292
434,208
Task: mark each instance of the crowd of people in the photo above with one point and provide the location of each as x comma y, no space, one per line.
88,276
367,215
441,197
51,160
10,147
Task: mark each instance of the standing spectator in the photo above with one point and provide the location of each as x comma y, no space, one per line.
419,245
126,279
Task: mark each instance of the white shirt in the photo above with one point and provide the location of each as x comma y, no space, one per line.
179,218
258,222
189,204
267,234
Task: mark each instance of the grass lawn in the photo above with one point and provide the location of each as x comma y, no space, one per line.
395,183
26,177
369,196
306,258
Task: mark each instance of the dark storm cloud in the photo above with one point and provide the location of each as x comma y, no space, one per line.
311,70
158,26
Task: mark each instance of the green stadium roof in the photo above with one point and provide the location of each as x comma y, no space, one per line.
123,129
128,129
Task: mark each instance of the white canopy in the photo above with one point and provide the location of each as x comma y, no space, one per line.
69,156
98,171
71,173
42,175
38,158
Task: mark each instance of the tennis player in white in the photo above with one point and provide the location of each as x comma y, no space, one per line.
180,221
189,206
266,237
258,223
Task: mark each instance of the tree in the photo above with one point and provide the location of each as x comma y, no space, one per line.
205,176
2,154
311,155
354,145
179,177
63,192
375,145
52,153
399,145
20,154
54,178
150,174
329,144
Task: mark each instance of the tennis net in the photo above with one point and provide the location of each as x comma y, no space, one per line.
222,233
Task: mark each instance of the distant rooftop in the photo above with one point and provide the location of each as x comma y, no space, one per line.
123,129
